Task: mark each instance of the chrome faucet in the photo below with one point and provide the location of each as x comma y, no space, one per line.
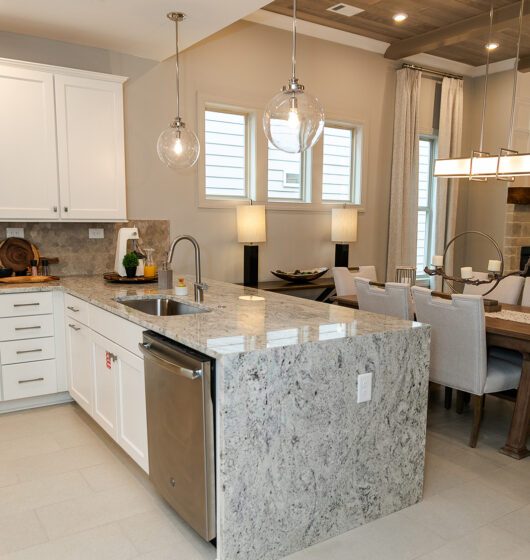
198,286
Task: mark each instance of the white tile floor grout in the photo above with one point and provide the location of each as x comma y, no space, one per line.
68,492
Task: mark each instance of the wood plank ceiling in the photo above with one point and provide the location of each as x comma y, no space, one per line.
452,29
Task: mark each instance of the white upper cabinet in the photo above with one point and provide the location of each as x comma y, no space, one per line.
28,154
61,144
91,148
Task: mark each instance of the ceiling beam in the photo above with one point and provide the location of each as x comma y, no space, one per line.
524,64
456,32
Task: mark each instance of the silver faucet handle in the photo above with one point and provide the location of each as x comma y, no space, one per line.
201,286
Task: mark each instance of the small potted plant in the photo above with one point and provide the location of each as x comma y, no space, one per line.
130,262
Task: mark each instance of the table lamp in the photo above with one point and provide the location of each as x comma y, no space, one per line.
251,229
343,231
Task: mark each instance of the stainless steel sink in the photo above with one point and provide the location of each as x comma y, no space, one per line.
160,306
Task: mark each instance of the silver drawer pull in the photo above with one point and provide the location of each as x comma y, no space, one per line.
74,309
24,304
74,327
29,351
30,380
27,328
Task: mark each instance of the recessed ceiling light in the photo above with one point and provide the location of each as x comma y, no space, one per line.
398,18
492,46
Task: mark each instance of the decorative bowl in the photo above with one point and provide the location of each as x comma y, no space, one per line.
300,275
5,271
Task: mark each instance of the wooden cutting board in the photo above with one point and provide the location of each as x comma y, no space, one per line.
17,253
27,279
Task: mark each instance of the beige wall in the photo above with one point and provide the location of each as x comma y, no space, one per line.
249,62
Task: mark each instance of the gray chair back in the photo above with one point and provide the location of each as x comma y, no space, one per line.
508,290
458,339
394,299
344,278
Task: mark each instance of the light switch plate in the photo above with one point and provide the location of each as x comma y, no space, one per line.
15,232
96,233
364,387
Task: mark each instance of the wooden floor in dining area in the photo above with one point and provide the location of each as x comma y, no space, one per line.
67,492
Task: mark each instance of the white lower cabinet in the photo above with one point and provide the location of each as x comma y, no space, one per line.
105,371
80,368
132,421
21,381
108,381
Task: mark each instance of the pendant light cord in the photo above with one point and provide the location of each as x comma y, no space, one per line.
486,80
515,69
177,64
294,41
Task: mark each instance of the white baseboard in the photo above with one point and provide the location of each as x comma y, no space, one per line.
35,402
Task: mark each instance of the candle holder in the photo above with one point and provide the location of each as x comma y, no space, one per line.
490,305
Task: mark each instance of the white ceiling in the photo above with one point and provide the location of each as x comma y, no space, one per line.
137,27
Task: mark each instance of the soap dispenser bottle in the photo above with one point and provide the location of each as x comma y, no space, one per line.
165,277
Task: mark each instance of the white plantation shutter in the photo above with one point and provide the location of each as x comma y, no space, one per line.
425,197
285,177
337,164
225,149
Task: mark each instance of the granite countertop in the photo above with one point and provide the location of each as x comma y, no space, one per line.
232,325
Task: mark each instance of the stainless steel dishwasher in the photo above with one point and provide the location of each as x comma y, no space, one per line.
180,428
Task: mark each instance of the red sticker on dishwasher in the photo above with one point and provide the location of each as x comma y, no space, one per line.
107,359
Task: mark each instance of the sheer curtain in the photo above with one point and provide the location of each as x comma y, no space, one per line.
449,145
403,224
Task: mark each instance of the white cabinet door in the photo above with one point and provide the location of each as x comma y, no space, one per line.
105,368
28,154
90,144
80,368
132,420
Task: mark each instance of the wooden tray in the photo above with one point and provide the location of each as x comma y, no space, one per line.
17,253
113,277
300,276
27,279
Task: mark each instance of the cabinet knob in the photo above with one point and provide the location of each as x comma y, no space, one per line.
66,208
55,208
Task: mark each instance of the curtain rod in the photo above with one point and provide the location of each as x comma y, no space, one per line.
431,71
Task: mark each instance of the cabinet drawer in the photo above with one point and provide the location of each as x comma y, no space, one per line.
76,308
29,350
26,303
20,381
124,333
17,328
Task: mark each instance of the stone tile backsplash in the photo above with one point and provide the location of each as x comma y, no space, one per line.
516,235
80,255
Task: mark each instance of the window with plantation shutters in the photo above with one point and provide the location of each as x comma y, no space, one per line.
338,164
226,154
425,203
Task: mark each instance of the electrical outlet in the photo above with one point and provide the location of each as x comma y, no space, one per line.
364,387
96,233
15,232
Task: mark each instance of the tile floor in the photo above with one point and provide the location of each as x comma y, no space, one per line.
67,492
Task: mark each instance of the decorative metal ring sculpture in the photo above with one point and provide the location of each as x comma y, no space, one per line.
496,277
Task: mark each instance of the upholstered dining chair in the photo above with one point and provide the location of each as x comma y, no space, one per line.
459,357
345,278
508,290
394,299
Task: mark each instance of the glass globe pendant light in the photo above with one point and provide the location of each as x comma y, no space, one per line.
294,119
177,146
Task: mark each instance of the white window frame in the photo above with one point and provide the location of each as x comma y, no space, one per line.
430,209
258,158
356,163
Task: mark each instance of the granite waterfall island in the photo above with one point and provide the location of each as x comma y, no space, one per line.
298,459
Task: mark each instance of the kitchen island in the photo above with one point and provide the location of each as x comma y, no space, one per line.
298,459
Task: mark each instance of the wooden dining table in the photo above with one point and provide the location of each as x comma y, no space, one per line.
513,335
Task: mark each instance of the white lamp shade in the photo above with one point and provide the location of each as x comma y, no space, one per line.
251,227
514,165
343,225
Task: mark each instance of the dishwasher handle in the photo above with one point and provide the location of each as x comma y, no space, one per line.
148,352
